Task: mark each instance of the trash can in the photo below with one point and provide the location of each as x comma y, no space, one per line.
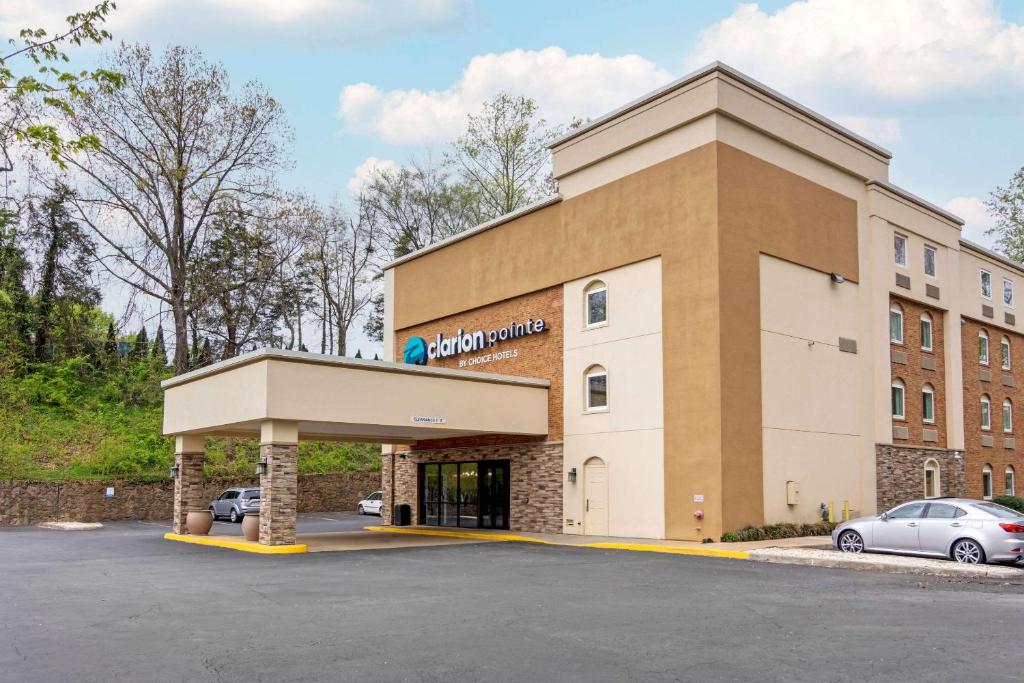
403,514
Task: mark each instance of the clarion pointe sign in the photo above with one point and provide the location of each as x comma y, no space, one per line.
418,351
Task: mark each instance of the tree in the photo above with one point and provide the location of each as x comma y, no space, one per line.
110,354
15,304
43,84
174,144
503,155
140,346
66,290
159,347
374,326
1006,205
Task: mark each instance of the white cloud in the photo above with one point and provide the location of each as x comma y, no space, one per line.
910,49
565,86
317,21
976,219
881,130
364,171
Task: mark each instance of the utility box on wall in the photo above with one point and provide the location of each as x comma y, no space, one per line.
792,492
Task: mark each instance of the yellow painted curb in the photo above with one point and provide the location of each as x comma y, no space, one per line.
244,546
635,547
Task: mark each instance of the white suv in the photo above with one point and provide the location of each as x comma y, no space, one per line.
371,504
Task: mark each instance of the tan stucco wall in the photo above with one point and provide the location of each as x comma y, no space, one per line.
629,436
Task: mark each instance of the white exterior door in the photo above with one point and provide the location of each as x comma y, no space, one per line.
595,491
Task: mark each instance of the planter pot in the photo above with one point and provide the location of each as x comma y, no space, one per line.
251,527
198,522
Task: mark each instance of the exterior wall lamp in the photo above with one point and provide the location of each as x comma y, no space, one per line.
572,475
175,471
261,467
837,278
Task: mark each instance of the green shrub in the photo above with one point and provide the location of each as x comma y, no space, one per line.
1013,502
773,532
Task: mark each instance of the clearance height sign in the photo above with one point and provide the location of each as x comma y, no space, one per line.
418,350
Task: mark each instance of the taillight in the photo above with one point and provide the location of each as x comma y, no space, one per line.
1011,528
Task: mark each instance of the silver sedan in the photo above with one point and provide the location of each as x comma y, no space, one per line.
969,531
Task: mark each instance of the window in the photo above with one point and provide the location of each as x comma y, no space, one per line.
986,482
1004,353
929,261
597,304
908,511
931,479
898,403
1007,415
896,324
1010,481
899,245
986,413
983,347
986,284
1008,292
926,332
928,403
597,388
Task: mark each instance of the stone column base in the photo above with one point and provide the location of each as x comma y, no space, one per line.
188,488
278,493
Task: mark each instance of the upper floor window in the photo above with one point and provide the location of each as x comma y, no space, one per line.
928,403
929,260
986,413
1007,415
896,324
926,332
597,304
1011,481
1004,353
898,400
1008,292
986,284
983,347
597,388
899,247
931,478
986,482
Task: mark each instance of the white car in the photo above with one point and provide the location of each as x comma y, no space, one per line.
371,504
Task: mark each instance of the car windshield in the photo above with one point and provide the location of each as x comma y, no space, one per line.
999,511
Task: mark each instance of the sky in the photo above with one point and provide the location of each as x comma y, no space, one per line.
940,83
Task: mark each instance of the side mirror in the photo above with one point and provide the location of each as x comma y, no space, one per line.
885,516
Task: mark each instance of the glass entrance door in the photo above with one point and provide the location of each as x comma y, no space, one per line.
494,496
465,494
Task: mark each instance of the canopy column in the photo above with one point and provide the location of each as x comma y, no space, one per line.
279,449
189,453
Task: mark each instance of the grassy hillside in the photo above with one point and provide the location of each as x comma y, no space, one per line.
72,420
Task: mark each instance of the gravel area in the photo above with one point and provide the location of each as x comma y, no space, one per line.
898,564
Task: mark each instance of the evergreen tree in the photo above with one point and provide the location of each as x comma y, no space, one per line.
359,353
15,304
206,355
159,349
110,345
140,348
193,354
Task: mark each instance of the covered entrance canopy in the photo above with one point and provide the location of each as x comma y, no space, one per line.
283,396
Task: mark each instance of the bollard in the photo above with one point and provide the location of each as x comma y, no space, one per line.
846,511
831,512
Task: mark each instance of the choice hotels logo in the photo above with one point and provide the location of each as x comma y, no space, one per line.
415,352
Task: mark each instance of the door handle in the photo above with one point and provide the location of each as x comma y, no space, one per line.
956,524
912,524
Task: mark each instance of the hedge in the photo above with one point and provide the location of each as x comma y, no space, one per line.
775,531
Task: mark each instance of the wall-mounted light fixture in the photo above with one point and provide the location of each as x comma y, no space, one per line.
401,456
572,475
837,278
261,467
175,471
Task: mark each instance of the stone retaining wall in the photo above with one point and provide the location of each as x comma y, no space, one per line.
31,502
899,472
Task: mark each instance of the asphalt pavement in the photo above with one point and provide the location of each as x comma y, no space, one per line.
122,604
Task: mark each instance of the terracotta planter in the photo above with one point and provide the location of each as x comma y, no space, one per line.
251,527
198,522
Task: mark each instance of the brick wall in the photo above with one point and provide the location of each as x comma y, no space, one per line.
993,447
27,502
537,355
535,486
917,367
900,473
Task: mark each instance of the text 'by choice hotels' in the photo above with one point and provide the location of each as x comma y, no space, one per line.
469,342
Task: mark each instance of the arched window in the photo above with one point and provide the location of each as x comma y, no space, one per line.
1004,353
986,482
1007,415
898,400
932,481
596,389
1011,481
983,347
926,332
895,324
596,303
928,403
986,412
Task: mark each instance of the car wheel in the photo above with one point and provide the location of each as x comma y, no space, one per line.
234,515
360,510
966,551
851,542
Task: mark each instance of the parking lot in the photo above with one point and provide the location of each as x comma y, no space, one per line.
121,603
